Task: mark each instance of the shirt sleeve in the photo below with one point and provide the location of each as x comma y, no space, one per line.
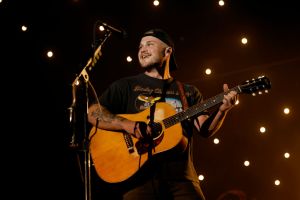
195,97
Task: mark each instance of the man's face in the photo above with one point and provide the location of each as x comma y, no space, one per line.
151,52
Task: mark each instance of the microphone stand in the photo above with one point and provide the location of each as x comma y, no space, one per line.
85,141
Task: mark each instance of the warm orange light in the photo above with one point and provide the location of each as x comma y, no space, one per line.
221,3
129,59
208,71
286,111
50,54
156,2
201,177
244,40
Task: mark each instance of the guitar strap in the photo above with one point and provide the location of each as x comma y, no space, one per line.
183,99
166,85
182,95
184,106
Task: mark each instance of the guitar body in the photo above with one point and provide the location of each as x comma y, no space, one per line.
112,159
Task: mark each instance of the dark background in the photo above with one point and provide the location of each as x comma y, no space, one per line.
37,91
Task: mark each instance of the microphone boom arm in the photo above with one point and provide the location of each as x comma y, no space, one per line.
91,62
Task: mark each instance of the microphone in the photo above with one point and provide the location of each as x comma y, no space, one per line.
114,29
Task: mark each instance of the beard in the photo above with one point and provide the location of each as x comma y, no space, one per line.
150,67
158,65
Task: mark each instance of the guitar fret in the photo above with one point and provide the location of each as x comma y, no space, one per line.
196,109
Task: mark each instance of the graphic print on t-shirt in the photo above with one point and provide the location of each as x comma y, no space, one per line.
177,105
144,101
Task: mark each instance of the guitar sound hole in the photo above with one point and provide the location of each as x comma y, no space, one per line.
156,130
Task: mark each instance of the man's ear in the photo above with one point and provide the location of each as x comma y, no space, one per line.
168,50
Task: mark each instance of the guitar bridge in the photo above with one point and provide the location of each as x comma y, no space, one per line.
129,142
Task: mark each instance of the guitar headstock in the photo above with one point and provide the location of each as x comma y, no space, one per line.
260,84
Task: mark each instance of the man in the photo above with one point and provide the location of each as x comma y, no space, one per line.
162,173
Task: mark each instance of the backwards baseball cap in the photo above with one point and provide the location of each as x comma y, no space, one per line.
163,36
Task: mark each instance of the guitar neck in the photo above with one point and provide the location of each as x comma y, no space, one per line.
197,108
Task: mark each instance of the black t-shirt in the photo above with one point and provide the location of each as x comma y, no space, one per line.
135,94
128,95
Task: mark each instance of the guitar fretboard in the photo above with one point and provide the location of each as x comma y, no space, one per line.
197,108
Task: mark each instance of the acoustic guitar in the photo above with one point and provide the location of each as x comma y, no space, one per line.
117,155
